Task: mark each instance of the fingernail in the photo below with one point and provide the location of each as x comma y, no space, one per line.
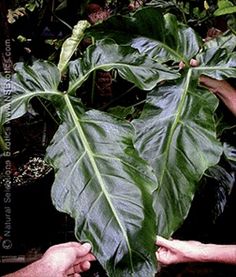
87,246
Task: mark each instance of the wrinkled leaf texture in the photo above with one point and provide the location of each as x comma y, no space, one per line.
226,40
130,64
100,180
177,135
176,131
107,188
162,38
41,79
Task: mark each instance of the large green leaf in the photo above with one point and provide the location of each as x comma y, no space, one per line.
217,63
226,40
100,179
179,42
40,79
122,28
130,64
104,185
162,38
225,7
176,134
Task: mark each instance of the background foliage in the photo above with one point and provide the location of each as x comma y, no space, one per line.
136,134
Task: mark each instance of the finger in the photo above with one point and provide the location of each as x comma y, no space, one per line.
81,261
160,241
194,62
161,256
85,266
66,244
89,257
79,249
205,79
157,255
81,267
73,274
83,249
181,65
208,81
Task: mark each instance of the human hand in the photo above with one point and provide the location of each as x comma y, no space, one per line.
220,88
177,251
62,260
67,259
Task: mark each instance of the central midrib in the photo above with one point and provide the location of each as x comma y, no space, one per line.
95,168
174,125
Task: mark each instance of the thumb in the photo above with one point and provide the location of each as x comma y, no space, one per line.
83,249
160,241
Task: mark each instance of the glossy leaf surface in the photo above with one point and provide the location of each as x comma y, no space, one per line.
105,182
104,185
175,134
134,67
40,79
99,178
217,63
227,41
162,38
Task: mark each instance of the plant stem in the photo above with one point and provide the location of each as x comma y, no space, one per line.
48,112
62,21
182,12
93,80
117,98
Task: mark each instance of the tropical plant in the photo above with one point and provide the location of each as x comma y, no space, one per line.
201,14
124,181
